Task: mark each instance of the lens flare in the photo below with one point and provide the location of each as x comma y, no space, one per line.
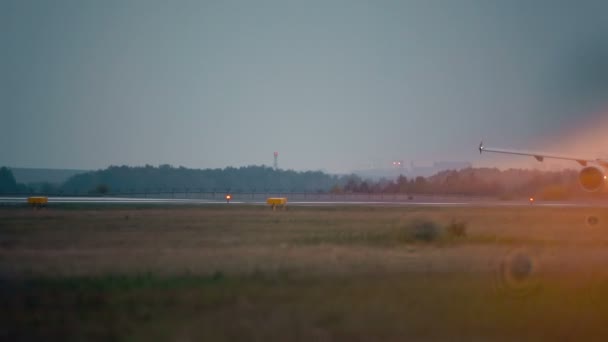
517,274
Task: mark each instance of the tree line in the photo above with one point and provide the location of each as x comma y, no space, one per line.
166,178
8,184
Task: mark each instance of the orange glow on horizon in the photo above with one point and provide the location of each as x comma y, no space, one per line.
585,138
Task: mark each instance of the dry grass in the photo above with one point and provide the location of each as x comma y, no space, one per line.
237,240
352,273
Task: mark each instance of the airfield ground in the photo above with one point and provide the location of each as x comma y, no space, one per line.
214,273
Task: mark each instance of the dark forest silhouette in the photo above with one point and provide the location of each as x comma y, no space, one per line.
505,184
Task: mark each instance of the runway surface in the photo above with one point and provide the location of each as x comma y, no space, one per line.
18,200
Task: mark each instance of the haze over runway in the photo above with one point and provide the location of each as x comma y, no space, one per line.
320,201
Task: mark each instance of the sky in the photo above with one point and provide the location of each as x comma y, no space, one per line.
331,85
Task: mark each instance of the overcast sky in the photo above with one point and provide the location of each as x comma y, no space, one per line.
331,85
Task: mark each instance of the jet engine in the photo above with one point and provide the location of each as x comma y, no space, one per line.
591,178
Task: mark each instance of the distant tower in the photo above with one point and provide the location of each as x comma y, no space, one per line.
276,160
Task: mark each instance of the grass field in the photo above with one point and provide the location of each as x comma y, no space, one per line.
326,274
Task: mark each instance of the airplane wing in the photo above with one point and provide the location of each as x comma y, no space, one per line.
541,156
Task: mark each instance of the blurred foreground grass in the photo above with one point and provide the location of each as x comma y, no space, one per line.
325,274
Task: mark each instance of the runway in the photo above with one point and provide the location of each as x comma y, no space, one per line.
19,200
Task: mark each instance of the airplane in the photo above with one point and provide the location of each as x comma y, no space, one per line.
592,176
